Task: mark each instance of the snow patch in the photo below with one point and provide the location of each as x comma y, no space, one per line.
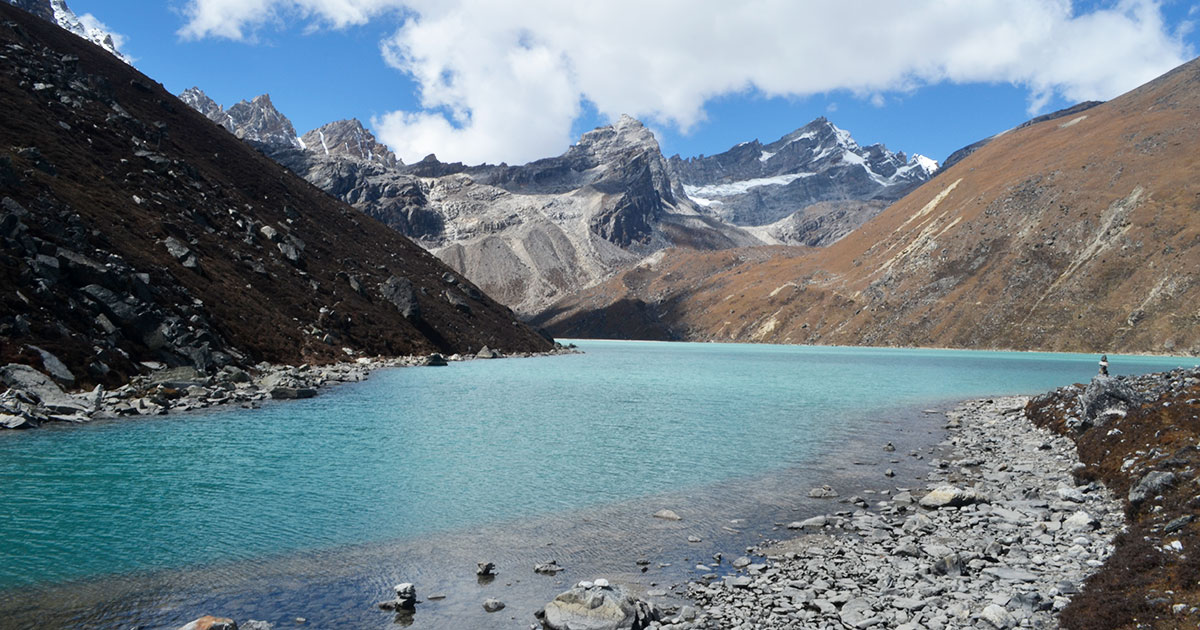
765,155
738,188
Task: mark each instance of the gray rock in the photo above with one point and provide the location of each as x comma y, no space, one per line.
485,568
401,294
1104,397
667,515
598,607
949,496
997,616
1150,486
547,568
1080,522
824,492
55,367
492,605
487,353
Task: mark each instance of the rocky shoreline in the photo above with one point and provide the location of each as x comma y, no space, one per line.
33,399
1001,538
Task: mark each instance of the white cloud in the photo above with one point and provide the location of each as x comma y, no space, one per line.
504,80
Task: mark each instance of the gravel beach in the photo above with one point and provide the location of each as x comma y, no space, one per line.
1000,537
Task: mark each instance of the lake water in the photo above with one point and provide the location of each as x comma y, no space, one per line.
313,508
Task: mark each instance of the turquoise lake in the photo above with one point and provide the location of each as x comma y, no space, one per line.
422,453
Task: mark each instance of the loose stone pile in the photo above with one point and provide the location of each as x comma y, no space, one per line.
32,398
1002,539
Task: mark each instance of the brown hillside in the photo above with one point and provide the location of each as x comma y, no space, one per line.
1077,234
133,229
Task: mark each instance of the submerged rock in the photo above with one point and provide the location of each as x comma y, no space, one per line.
668,515
208,622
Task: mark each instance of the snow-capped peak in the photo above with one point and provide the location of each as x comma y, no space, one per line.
929,165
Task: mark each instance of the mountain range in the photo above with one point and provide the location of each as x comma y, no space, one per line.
134,230
1075,233
529,234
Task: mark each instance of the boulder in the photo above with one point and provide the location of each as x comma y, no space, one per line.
598,606
401,294
292,393
949,496
26,379
547,568
55,367
1105,397
1150,486
668,515
487,353
492,605
998,616
824,492
485,568
1080,522
406,598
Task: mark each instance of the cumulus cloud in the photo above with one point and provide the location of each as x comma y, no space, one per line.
505,80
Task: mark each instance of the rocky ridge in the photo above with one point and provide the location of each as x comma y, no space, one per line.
531,233
130,233
753,184
57,12
525,234
1072,234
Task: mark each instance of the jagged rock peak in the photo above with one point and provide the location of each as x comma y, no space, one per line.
258,120
57,12
348,138
627,133
199,101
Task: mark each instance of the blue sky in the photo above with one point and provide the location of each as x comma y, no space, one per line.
322,60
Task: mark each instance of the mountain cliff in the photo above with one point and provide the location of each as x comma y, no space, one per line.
1072,234
133,230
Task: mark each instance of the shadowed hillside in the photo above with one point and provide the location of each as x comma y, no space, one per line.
134,229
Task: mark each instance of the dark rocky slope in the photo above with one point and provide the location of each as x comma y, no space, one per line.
132,229
1077,233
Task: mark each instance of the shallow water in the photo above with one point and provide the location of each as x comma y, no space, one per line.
313,508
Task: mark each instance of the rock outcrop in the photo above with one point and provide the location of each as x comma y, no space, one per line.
57,12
